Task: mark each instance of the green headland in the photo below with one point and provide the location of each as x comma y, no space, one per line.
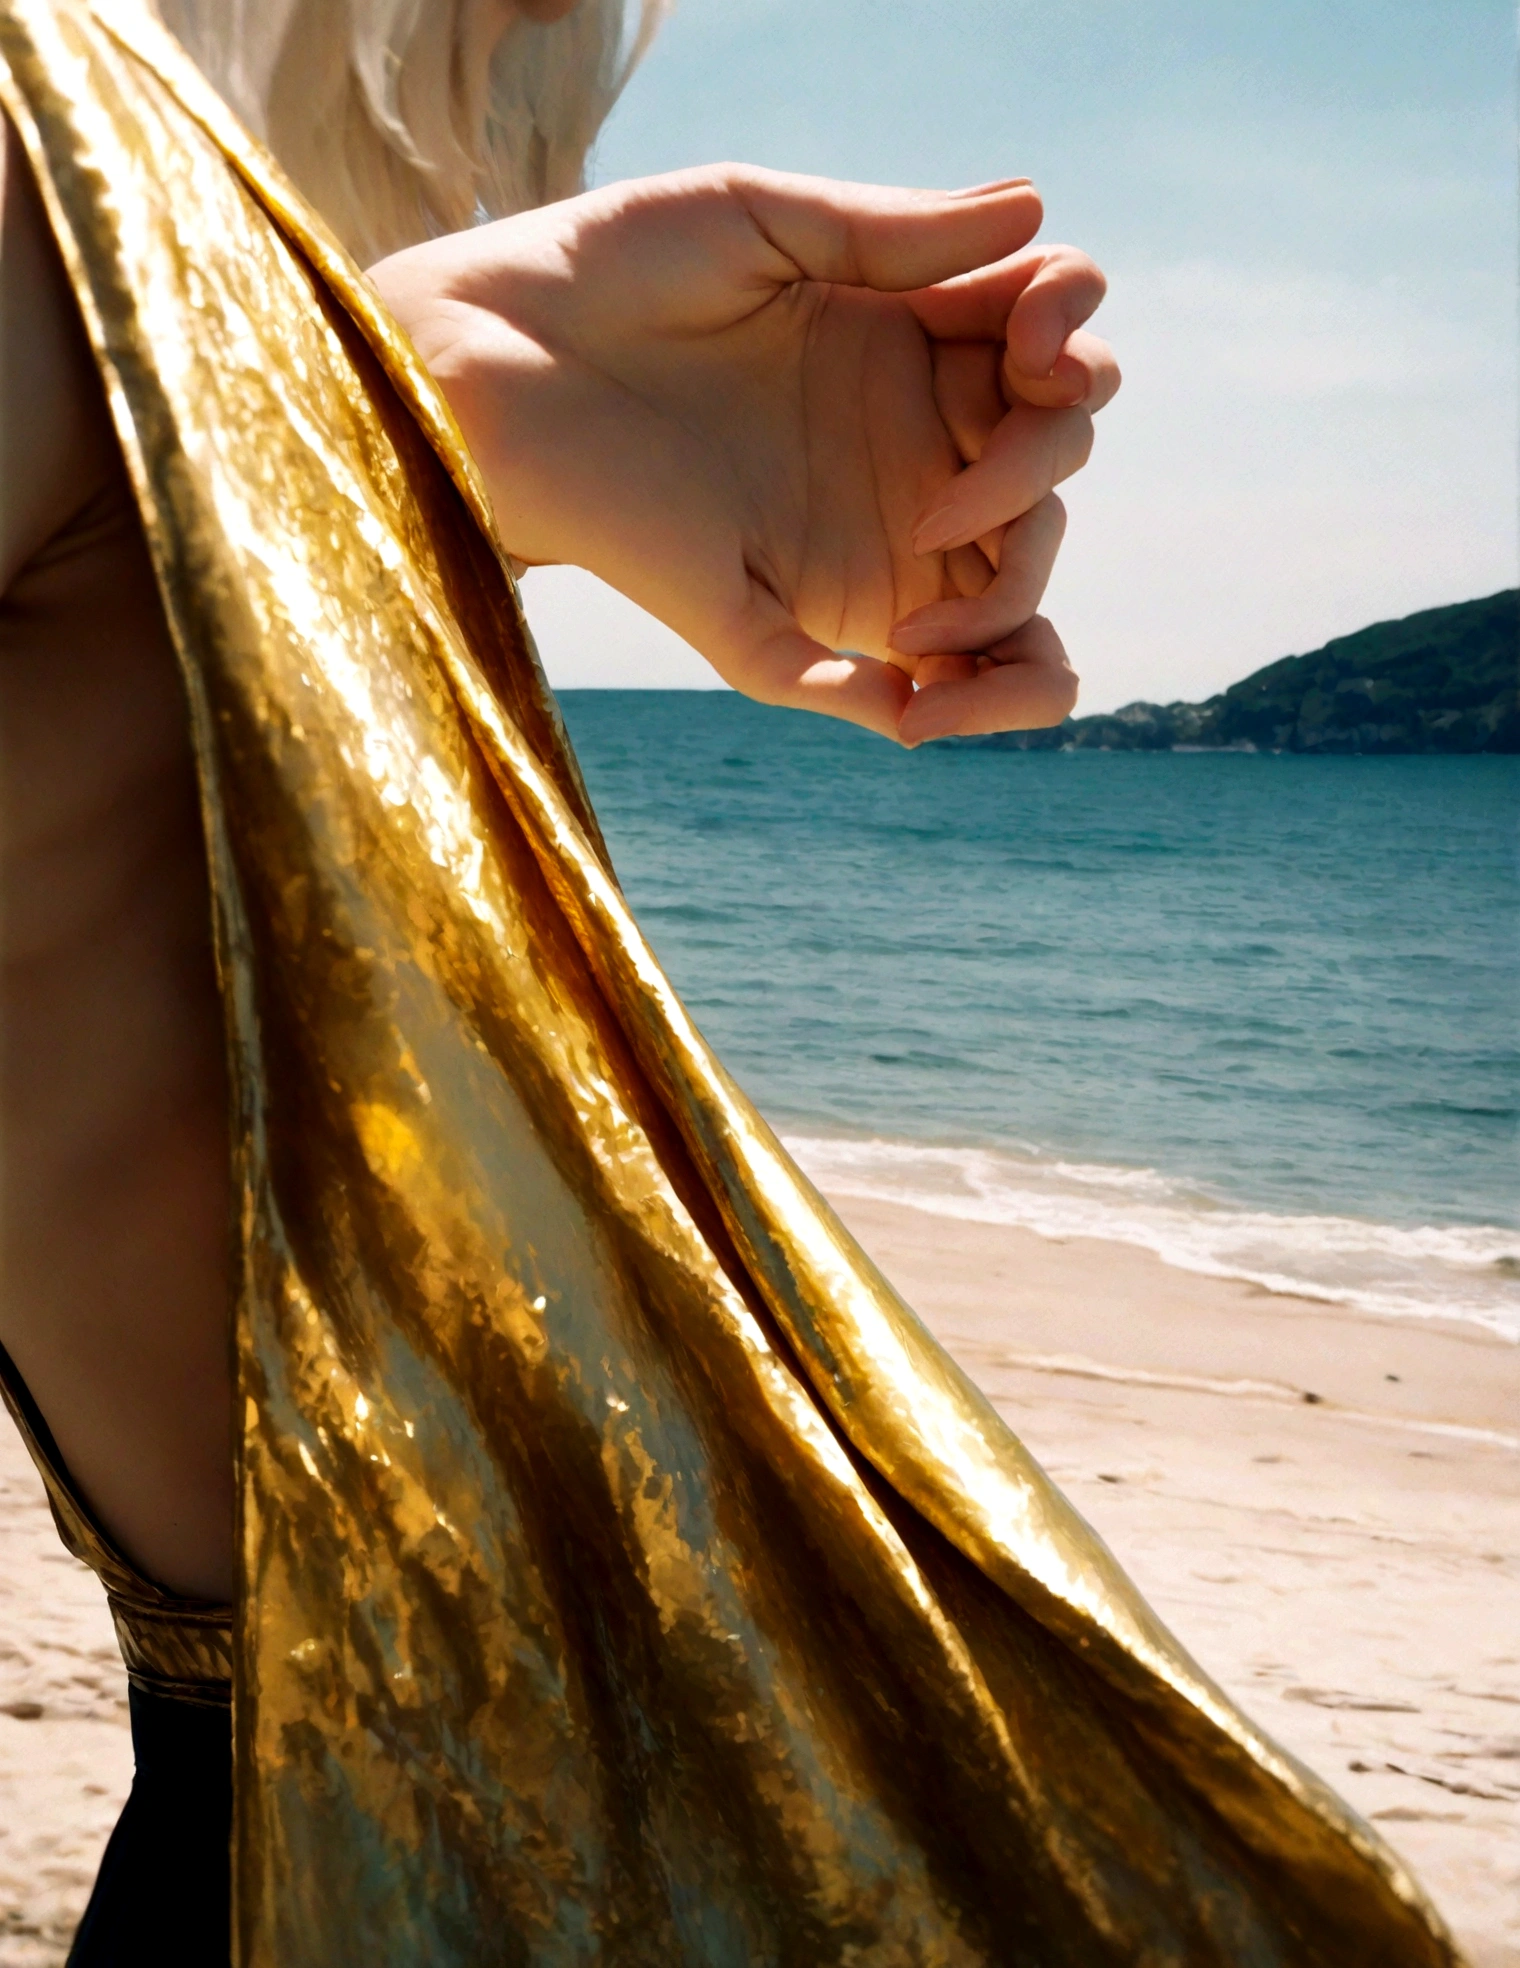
1440,681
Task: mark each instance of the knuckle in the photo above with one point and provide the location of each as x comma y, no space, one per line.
720,184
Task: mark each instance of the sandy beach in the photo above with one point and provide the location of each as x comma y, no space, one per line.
1347,1565
65,1755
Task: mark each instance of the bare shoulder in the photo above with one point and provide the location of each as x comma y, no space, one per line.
56,443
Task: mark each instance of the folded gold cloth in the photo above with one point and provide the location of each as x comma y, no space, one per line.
626,1575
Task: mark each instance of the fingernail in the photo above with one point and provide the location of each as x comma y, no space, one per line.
1073,373
936,530
915,638
987,190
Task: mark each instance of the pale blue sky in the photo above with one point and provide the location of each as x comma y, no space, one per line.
1307,212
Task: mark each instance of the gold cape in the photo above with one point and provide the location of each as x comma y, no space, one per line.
626,1575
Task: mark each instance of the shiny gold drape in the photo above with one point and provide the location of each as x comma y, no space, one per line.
627,1577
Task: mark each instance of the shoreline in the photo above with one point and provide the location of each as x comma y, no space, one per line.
1348,1566
1416,1272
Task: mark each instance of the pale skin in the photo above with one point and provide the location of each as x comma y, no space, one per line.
810,418
742,399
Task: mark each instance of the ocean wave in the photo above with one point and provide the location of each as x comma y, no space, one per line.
1451,1271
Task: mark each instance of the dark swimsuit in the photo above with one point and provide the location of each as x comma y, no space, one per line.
162,1895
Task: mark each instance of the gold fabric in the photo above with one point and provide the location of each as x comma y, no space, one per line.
171,1645
627,1577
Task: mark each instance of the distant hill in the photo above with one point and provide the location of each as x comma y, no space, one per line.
1440,681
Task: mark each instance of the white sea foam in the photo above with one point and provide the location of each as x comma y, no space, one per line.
1453,1271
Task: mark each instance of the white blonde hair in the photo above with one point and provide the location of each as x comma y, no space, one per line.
402,119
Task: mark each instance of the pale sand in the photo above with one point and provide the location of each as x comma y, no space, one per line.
1349,1570
65,1772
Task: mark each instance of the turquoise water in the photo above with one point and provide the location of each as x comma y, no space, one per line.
1256,1013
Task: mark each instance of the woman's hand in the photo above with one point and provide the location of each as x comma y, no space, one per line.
790,418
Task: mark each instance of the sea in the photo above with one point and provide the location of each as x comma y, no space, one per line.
1257,1014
